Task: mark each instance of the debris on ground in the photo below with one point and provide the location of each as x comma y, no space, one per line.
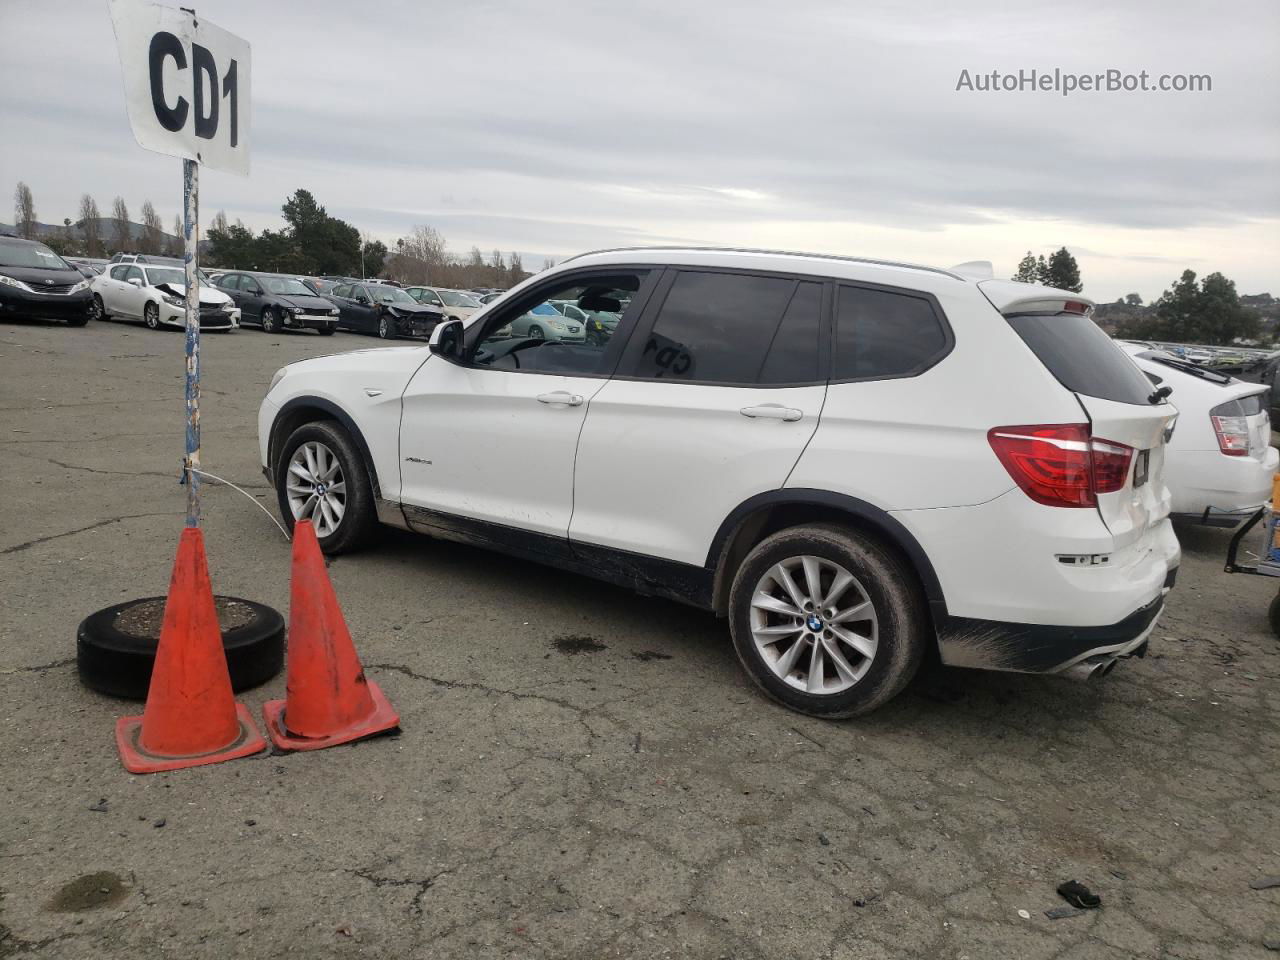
100,806
1025,914
1262,883
1078,895
1061,913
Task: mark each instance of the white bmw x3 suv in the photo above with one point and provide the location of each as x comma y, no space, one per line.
852,461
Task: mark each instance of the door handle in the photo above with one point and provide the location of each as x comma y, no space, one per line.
560,396
772,411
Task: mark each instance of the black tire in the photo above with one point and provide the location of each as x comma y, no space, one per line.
893,590
360,519
151,316
386,330
268,320
1273,615
99,309
78,321
118,663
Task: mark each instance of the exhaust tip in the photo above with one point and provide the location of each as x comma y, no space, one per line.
1087,670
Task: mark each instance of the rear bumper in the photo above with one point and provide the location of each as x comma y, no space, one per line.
48,306
1039,648
1206,481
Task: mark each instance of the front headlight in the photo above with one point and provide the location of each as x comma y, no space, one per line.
17,284
333,312
82,285
277,377
227,307
173,301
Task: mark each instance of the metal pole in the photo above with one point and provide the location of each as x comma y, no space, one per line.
190,257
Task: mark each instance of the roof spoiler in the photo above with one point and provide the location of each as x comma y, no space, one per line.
1013,296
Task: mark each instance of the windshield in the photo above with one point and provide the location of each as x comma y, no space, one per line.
287,286
457,299
35,255
174,276
382,293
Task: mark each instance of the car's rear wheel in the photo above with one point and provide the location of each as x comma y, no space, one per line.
151,316
321,476
826,621
269,322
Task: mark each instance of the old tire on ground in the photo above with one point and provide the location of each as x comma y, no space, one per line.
869,620
116,646
1273,615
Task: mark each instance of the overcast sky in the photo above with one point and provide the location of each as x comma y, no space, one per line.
555,127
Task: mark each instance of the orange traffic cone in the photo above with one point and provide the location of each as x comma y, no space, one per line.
330,701
191,716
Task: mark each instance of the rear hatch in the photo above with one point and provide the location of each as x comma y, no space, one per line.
1114,394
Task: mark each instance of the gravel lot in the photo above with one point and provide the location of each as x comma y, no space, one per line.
582,772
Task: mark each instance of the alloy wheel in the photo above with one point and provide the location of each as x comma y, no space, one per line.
96,309
814,625
268,321
384,328
151,316
535,333
316,487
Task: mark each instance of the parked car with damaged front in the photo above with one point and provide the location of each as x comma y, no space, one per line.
156,295
808,446
382,309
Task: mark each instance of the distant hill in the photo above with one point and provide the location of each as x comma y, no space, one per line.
106,233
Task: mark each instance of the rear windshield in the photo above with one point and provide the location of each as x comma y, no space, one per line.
1082,357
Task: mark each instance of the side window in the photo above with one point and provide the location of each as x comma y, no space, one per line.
118,272
714,328
230,282
430,299
530,335
132,273
793,355
342,290
880,333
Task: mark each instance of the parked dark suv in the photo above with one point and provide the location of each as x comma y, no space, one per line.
36,282
276,301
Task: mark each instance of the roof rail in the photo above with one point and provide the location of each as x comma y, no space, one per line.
775,253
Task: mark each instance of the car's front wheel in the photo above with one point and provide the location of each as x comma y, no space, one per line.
826,621
269,322
151,316
97,309
321,476
385,330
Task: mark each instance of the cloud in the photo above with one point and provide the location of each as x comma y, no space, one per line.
553,129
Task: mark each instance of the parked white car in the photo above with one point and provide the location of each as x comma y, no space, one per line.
1220,460
812,447
156,295
455,304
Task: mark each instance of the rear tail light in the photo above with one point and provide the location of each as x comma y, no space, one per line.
1061,465
1232,431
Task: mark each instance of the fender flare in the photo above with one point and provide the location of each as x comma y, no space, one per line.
334,412
884,523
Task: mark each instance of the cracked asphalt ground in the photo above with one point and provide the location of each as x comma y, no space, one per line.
582,773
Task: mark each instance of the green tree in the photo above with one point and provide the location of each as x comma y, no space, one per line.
1176,309
1042,270
24,211
1220,317
374,253
1026,272
234,248
1064,272
1133,299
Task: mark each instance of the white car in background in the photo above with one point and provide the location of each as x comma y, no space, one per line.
455,304
1219,462
156,295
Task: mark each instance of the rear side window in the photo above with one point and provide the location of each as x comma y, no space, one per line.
1249,406
1082,357
881,333
719,328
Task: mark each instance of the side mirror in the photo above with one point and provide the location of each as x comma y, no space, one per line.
446,340
363,300
134,282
